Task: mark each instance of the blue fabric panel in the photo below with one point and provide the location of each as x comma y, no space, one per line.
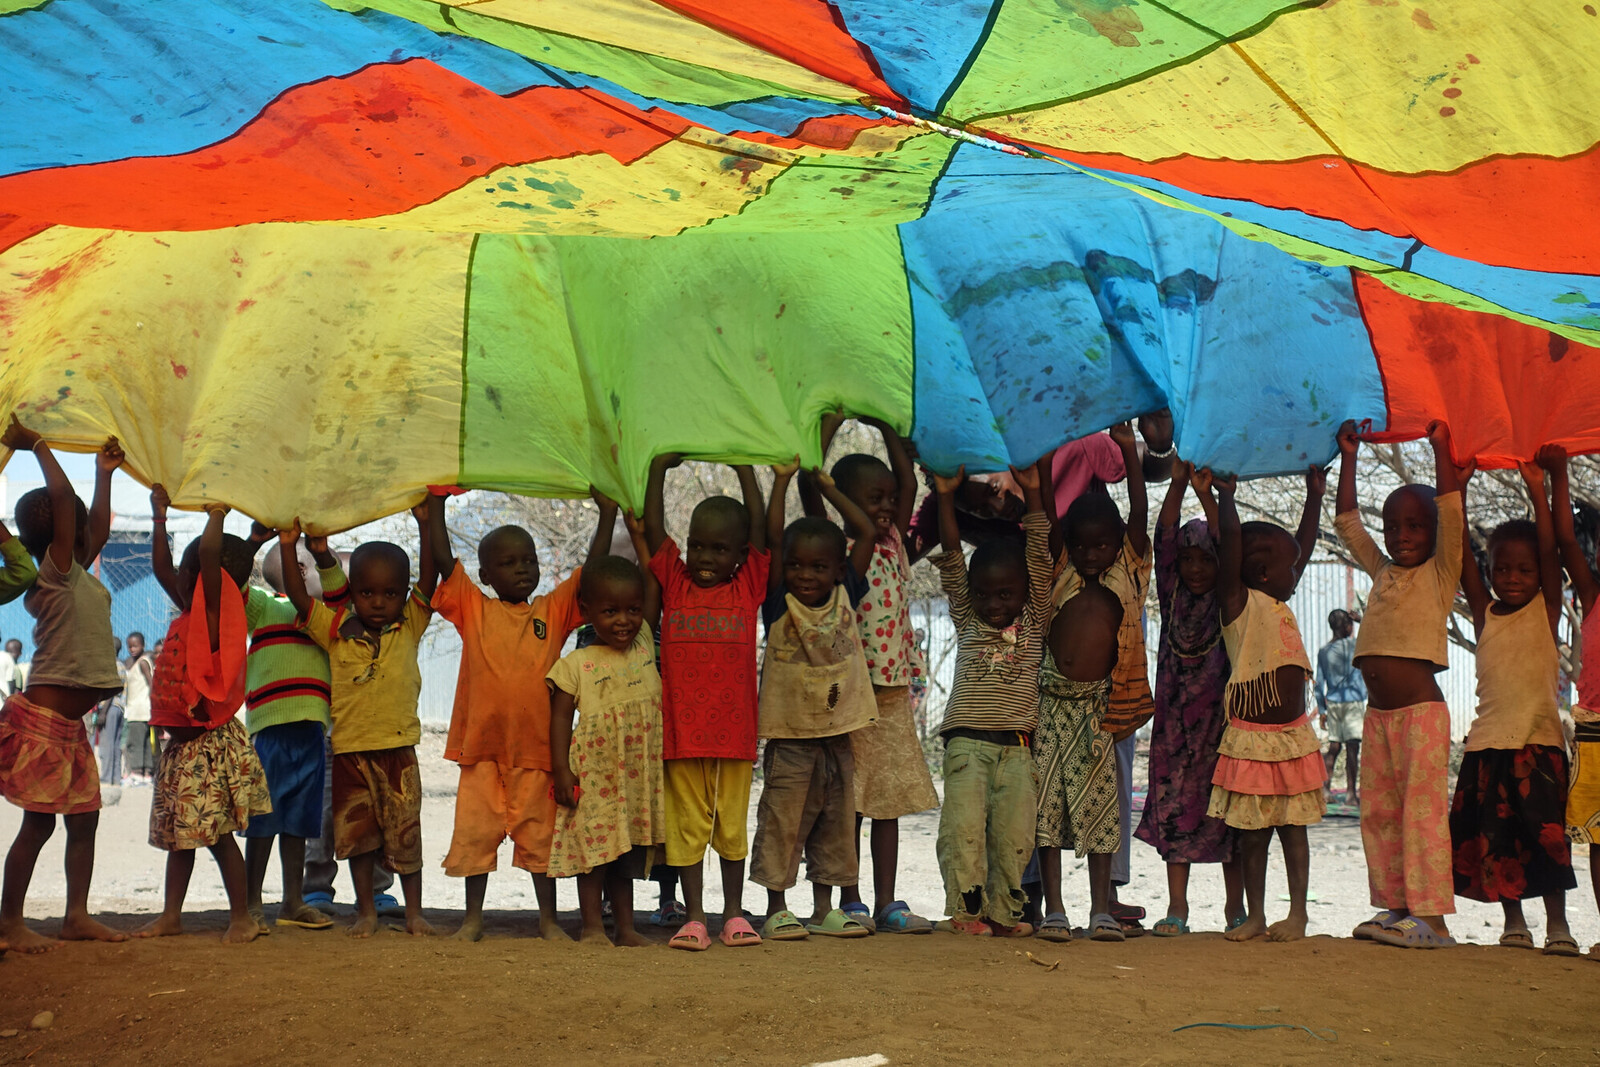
1080,307
920,45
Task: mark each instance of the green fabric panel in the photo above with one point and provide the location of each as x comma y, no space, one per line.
1044,52
586,358
847,191
653,76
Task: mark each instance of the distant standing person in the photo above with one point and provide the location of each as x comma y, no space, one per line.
108,742
8,672
1341,701
138,740
19,669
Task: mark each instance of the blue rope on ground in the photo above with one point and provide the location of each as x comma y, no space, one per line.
1264,1026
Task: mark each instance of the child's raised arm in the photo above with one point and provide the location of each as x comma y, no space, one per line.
905,474
161,549
949,532
1172,507
427,571
294,586
1138,501
810,495
63,501
1472,586
1208,498
99,532
652,588
444,560
782,473
751,490
1310,516
655,515
1549,559
1345,500
1553,458
854,518
211,572
1447,476
605,528
1230,545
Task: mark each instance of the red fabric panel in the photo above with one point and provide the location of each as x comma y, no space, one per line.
15,229
1504,387
1528,212
808,33
380,141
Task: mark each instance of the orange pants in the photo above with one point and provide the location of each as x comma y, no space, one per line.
1405,808
494,802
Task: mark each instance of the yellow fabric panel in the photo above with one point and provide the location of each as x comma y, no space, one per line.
683,184
1214,107
285,370
1522,84
645,26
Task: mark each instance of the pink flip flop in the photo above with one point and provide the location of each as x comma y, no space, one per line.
693,936
737,933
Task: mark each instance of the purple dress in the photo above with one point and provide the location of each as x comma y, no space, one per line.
1191,674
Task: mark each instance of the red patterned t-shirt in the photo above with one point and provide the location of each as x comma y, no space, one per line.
708,658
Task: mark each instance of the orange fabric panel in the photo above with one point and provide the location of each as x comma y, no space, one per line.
1487,211
1504,387
14,230
382,140
805,32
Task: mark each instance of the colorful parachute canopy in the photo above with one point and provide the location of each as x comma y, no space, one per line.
309,257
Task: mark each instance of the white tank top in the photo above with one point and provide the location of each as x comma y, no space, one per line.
1518,679
136,694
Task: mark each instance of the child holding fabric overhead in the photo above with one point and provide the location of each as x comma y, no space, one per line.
1405,756
1507,820
1269,774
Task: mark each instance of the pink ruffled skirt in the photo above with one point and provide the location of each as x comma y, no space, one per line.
1268,774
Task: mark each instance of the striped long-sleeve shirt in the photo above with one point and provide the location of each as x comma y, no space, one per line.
997,671
286,674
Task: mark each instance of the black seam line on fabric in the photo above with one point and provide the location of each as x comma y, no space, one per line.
1134,79
1416,246
933,187
649,57
466,336
972,57
911,313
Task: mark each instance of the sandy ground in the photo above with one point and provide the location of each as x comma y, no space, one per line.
300,996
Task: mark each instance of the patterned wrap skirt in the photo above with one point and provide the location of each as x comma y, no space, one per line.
1508,834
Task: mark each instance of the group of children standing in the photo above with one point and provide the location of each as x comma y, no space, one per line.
638,747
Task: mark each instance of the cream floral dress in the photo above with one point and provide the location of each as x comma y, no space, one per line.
615,754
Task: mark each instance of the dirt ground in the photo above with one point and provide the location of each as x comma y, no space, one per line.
308,996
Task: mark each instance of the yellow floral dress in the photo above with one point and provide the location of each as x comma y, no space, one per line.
615,754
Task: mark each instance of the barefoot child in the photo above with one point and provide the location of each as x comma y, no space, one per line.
1507,821
1191,676
1405,764
892,778
1126,564
710,595
286,711
46,765
500,725
608,776
1269,772
1000,609
1077,769
815,692
209,781
1583,795
372,646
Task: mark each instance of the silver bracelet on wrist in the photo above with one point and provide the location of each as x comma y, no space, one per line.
1171,451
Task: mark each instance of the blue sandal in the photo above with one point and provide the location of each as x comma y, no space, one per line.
1172,926
898,918
1384,920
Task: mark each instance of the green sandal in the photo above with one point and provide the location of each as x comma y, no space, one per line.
837,924
1171,926
783,926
